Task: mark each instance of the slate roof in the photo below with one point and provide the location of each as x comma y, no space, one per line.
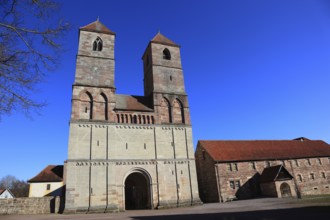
253,150
52,173
98,27
132,103
275,173
161,39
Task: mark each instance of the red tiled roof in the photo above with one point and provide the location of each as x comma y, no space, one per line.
98,27
161,39
132,103
265,149
52,173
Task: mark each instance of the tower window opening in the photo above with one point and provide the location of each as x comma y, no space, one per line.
171,78
98,44
166,54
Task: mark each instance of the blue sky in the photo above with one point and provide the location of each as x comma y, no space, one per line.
253,70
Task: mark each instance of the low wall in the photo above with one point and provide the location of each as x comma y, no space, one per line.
43,205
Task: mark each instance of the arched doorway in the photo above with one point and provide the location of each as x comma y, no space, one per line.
285,190
137,191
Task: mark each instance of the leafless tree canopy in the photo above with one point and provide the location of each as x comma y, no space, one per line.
30,43
19,188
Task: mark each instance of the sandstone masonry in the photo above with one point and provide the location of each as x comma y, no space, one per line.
126,151
230,170
25,206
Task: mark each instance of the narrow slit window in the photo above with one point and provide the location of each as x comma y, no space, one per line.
323,175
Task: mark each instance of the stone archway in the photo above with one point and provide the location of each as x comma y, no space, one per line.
137,191
285,190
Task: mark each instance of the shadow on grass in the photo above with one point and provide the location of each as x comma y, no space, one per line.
314,213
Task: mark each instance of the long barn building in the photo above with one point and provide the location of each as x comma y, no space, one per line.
229,170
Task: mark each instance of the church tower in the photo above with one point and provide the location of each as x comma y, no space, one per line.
94,73
128,151
163,80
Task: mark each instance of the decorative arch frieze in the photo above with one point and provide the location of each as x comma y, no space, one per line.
165,113
101,107
178,112
86,105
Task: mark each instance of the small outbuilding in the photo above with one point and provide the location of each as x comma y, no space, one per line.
6,194
49,182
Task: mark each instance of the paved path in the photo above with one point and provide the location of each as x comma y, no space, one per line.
256,209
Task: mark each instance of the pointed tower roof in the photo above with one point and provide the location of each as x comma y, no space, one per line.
161,39
98,27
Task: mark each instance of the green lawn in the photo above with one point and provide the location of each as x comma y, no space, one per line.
315,199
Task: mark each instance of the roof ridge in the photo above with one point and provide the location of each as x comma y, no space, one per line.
224,151
161,39
98,27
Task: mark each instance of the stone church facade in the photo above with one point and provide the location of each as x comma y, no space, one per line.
126,151
229,170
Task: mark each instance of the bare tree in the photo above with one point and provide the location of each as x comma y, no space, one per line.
30,43
19,188
6,182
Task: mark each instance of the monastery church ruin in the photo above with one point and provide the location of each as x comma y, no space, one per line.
125,151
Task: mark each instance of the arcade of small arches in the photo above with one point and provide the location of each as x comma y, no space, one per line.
171,113
135,119
98,109
93,109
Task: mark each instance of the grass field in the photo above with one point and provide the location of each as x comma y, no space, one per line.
316,199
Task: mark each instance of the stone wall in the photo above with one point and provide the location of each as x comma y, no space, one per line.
240,179
103,155
23,206
207,177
